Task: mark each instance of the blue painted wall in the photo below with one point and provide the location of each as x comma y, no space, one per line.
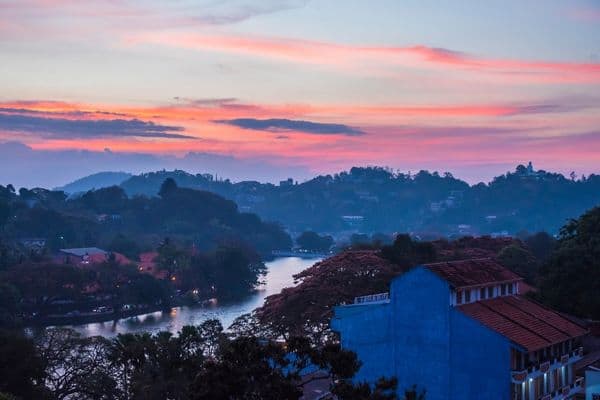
419,338
480,360
592,385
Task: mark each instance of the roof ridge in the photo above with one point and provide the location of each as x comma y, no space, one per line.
461,260
473,272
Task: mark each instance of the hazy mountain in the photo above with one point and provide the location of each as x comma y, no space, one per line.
23,166
95,181
429,204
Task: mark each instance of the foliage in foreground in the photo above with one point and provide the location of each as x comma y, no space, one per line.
200,363
570,280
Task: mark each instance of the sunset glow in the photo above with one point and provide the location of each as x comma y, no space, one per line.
313,85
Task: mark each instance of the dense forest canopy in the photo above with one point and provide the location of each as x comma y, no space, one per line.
375,199
103,217
570,279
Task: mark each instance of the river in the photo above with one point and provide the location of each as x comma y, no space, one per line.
279,275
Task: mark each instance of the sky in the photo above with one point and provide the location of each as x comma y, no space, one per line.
268,89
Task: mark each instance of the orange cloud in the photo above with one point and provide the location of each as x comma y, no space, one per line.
441,135
199,115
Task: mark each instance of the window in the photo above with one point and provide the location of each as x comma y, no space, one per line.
482,293
502,290
490,292
458,297
467,296
510,288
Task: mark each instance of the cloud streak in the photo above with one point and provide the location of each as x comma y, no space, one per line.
229,12
343,56
62,128
283,125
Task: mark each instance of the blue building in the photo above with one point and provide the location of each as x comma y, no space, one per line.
461,331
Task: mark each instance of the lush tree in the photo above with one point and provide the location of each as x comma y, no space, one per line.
306,308
76,367
21,367
168,187
10,300
41,283
211,332
244,265
127,355
164,365
519,260
124,245
145,289
4,212
541,245
383,389
407,252
570,279
106,200
200,362
171,257
312,241
249,324
246,368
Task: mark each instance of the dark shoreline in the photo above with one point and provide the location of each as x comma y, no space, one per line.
46,321
89,318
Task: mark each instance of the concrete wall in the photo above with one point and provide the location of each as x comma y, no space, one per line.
479,359
421,340
367,328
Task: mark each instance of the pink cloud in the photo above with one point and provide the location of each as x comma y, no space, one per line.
585,14
465,131
350,57
446,135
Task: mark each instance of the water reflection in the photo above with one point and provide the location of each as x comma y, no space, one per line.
279,275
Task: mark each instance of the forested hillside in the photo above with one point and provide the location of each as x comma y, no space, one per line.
108,218
428,204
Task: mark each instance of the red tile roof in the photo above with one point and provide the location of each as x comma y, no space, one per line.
523,321
474,272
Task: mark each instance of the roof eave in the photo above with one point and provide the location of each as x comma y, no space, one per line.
479,285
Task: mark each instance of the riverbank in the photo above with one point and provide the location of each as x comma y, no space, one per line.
299,254
92,317
80,318
280,274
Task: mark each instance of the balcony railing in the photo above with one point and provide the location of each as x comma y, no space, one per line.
540,368
372,298
565,391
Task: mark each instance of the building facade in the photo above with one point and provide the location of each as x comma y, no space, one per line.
461,330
